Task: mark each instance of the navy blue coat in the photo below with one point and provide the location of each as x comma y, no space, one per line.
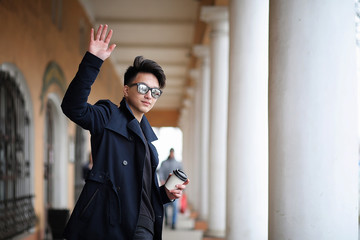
109,204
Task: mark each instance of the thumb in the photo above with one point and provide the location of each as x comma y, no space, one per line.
111,48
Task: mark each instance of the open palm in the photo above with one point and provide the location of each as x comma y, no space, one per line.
99,45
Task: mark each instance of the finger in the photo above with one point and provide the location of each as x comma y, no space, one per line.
111,48
176,191
177,194
98,33
103,34
107,39
181,187
187,182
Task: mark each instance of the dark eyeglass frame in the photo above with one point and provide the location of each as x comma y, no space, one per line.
153,94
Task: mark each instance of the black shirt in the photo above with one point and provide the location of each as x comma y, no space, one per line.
147,215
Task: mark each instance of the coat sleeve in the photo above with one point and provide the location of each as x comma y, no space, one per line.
164,197
75,105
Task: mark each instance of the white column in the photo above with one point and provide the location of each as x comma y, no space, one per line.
196,122
313,121
247,169
217,17
202,52
186,118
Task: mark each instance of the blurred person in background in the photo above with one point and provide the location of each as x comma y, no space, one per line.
167,167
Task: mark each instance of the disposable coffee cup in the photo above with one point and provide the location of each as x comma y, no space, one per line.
178,177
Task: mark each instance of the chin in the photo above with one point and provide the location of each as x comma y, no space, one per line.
144,109
148,110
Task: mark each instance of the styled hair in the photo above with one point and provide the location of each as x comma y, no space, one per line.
142,65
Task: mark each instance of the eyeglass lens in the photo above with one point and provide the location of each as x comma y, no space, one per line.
143,89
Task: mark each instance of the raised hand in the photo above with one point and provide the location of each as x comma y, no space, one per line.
99,46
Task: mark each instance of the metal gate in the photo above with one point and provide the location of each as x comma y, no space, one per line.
16,208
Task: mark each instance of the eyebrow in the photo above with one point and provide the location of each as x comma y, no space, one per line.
146,85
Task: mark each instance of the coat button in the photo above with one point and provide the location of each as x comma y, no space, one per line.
131,138
118,188
125,162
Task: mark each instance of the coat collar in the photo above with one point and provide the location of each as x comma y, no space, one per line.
123,119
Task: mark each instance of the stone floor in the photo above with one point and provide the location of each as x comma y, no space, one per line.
184,230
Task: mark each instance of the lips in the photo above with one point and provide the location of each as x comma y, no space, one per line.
146,103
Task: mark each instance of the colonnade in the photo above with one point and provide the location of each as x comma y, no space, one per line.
270,132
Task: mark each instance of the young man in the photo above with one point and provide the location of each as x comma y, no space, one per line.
121,198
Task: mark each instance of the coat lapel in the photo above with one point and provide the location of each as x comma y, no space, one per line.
118,123
134,126
124,120
147,130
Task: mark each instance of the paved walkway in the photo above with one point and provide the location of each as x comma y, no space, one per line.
184,230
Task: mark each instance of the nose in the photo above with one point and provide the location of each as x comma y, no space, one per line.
148,95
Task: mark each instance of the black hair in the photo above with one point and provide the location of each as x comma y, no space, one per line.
144,66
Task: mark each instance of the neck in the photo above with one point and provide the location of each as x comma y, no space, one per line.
138,117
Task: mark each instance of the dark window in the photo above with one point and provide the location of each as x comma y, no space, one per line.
16,209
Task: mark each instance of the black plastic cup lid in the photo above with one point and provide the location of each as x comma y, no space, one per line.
180,174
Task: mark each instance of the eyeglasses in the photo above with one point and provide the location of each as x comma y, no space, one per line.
142,88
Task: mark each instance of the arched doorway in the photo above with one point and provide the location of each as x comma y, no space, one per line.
16,154
55,187
55,160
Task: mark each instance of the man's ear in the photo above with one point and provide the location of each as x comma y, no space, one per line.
126,91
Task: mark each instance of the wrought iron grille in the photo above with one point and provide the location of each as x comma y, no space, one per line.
16,208
49,162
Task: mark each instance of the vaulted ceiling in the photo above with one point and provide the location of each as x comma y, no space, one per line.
162,30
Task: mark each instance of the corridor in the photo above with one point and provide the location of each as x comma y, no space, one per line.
265,93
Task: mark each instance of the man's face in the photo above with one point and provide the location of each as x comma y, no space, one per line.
139,103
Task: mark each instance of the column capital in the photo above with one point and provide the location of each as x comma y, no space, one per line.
218,17
211,14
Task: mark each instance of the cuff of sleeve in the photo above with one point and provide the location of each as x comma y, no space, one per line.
93,60
164,196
